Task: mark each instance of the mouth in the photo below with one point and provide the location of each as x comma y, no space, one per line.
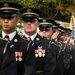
6,26
28,27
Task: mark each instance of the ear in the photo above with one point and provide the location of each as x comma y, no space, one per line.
18,19
22,23
38,24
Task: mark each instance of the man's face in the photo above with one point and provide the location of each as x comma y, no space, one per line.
30,27
9,25
62,38
46,33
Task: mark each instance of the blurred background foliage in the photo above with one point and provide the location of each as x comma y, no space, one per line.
55,9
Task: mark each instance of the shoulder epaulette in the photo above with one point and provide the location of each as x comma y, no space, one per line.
57,43
4,39
45,38
25,38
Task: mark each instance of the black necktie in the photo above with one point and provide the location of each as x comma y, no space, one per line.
29,38
6,37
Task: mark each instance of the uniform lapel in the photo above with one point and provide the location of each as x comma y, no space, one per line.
16,40
37,40
5,56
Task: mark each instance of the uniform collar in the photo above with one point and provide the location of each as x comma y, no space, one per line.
32,37
11,36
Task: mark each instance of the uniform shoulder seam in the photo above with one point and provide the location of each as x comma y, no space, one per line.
4,39
24,38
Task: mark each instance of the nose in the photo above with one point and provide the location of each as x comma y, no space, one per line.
6,20
29,23
44,31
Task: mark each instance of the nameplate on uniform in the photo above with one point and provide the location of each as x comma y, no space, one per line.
18,56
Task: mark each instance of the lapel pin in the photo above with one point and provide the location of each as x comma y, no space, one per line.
15,40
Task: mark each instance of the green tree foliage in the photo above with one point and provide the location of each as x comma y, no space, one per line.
56,9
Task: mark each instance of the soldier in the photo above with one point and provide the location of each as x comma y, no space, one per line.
63,62
72,53
7,58
24,51
45,59
45,29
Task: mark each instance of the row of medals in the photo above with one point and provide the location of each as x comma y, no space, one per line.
18,56
40,52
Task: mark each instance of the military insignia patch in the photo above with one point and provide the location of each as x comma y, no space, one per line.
44,20
28,10
6,5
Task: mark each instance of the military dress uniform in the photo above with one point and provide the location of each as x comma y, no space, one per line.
24,51
45,58
71,70
54,52
63,62
7,58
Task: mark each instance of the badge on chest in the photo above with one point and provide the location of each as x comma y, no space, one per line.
40,52
18,56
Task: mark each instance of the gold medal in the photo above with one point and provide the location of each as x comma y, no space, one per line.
40,54
43,55
20,59
16,59
36,55
20,56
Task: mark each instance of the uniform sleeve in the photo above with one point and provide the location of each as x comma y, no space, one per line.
30,62
51,59
9,62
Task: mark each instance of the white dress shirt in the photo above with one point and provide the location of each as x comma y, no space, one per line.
32,37
11,36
